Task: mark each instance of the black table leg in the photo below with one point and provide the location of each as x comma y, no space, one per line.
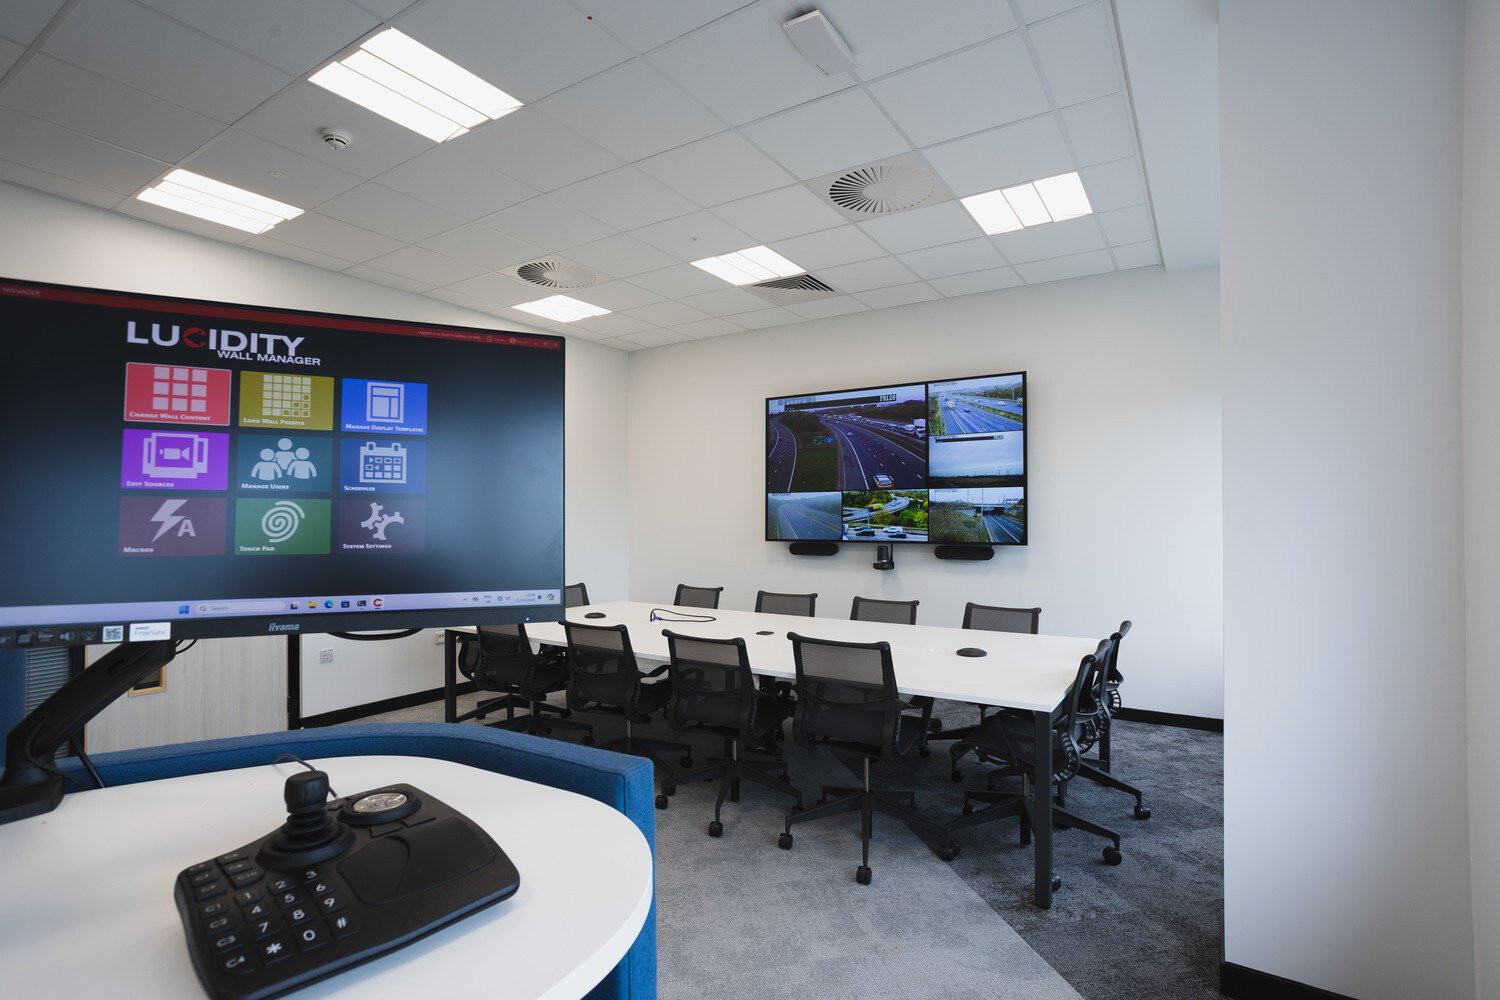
1041,810
450,672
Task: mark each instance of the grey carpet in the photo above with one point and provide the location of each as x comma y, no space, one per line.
740,918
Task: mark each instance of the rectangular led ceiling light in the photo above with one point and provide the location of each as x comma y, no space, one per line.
745,267
396,76
561,308
1051,199
194,194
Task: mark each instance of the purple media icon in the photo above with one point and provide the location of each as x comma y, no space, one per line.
174,459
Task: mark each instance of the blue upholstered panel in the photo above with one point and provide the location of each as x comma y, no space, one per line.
619,781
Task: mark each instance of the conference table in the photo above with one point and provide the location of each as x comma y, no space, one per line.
1031,673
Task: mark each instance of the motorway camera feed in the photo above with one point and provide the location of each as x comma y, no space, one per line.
937,462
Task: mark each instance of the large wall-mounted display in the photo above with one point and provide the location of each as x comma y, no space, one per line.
941,462
181,468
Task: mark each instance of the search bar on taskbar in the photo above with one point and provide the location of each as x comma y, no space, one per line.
238,607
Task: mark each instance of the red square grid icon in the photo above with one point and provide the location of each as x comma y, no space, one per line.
174,394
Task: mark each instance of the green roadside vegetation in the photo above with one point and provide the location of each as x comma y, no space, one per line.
957,522
817,455
935,423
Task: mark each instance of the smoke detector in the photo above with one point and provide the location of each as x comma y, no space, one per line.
878,189
789,291
554,272
334,139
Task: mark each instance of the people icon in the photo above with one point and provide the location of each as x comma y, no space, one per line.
266,470
301,468
285,456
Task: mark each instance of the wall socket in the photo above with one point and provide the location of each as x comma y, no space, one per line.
325,656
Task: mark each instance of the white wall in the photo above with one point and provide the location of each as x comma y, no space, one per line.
1123,413
1346,825
1481,373
51,239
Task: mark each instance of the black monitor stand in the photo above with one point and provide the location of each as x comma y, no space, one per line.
31,784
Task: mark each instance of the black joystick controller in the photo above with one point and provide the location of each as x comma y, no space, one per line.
310,834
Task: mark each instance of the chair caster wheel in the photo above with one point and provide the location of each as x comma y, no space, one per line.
686,761
924,751
716,829
661,802
948,851
956,776
669,789
784,841
968,808
1141,812
1112,855
1056,882
862,875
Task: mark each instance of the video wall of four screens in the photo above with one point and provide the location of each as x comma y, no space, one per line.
940,462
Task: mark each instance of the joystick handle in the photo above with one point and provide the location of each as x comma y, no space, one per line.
310,834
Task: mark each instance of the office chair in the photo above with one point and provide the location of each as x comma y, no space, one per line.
1009,738
869,609
499,658
604,679
800,605
697,597
713,691
847,700
989,618
1098,771
575,595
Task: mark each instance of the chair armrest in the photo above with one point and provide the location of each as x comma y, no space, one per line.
658,671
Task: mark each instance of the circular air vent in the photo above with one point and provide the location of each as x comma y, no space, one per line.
556,274
881,189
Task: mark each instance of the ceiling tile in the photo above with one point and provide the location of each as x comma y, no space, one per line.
898,295
291,35
1100,129
178,220
499,291
1059,268
145,50
619,255
463,186
425,266
1114,185
1055,239
9,53
378,208
878,273
535,150
744,66
704,328
977,281
617,295
778,215
720,168
632,111
124,116
481,246
621,344
330,236
657,338
294,118
1077,55
54,150
60,186
1137,255
384,9
248,161
268,244
23,20
379,277
989,85
1001,157
613,325
823,308
679,280
667,314
763,319
644,26
928,226
548,223
625,198
829,248
940,28
955,258
845,130
1126,225
535,49
1036,10
693,237
726,302
576,332
458,299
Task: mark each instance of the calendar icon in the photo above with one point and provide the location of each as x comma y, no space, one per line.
382,464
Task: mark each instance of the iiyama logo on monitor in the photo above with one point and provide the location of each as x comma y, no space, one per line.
279,627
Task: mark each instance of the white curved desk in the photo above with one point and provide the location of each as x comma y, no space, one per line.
87,905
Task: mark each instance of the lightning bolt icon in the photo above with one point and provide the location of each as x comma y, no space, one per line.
167,517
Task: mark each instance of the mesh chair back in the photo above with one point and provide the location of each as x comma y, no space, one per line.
785,604
575,595
846,694
1114,676
501,658
867,609
996,619
602,668
712,687
697,597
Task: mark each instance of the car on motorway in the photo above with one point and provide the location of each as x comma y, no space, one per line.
882,480
895,531
864,532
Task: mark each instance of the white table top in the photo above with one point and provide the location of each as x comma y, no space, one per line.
87,907
1030,672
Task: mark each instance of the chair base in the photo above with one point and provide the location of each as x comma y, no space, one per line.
1100,776
733,770
640,746
1005,804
